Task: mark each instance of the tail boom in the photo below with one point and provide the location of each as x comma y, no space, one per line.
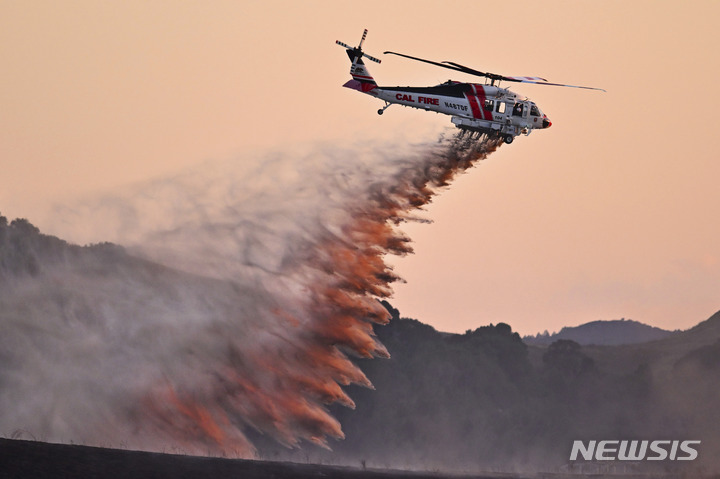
361,81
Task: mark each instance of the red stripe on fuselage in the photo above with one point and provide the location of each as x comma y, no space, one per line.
480,92
473,104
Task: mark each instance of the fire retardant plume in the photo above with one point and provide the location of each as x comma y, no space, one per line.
242,292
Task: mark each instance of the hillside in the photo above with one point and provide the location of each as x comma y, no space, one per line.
484,400
101,347
603,333
29,459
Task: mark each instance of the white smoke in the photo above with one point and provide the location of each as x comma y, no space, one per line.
258,276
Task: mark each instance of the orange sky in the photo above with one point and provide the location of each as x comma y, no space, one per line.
610,213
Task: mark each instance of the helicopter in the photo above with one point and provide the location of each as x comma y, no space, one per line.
476,108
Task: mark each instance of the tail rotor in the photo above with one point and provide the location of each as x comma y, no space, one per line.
356,53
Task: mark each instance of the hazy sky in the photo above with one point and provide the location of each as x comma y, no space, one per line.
612,212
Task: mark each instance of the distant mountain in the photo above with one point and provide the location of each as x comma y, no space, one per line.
603,333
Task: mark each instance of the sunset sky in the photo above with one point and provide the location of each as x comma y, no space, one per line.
610,213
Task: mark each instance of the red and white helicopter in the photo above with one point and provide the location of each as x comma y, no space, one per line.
482,108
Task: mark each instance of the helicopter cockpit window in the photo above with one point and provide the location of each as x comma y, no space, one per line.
518,109
500,108
489,105
534,111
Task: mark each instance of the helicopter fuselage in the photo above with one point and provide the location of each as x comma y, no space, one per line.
483,108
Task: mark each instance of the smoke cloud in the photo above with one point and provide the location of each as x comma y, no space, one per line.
249,287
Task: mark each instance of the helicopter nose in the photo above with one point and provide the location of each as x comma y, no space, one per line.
546,122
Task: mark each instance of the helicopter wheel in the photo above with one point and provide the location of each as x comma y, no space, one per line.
508,139
380,111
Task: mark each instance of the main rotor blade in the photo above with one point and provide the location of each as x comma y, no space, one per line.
535,80
472,71
426,61
493,76
560,84
456,67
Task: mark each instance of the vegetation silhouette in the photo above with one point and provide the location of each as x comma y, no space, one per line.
482,400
